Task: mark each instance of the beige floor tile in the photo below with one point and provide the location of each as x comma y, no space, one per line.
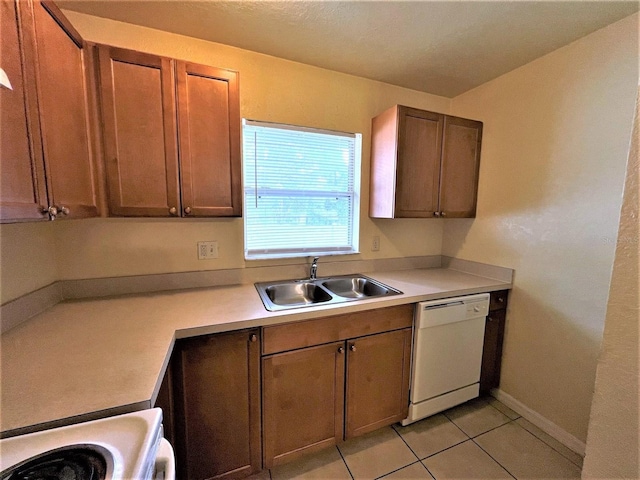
503,408
431,435
322,465
524,455
263,475
476,417
416,471
376,454
552,442
466,460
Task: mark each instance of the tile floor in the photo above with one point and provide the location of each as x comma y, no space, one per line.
481,439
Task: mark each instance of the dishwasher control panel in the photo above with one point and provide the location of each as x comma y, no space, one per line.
478,308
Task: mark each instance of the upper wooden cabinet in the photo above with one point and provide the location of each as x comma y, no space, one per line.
169,154
46,150
423,164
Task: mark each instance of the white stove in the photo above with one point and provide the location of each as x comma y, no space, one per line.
129,446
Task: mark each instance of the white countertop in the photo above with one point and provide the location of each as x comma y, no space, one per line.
86,359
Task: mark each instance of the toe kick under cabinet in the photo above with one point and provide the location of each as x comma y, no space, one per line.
330,379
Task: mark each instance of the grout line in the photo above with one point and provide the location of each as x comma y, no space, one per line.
550,446
345,463
445,449
490,456
405,442
428,471
398,469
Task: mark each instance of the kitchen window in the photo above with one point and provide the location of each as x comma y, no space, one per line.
301,193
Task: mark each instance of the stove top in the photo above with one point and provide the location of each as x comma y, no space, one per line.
119,447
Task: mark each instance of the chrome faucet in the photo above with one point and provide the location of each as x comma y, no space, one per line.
314,268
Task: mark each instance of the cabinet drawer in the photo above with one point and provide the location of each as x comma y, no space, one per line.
290,336
498,300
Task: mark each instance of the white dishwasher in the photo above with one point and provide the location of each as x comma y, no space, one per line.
447,354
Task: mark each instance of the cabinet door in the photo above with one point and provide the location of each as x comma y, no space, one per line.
492,350
139,130
209,125
378,370
217,422
64,112
23,192
303,401
418,165
462,139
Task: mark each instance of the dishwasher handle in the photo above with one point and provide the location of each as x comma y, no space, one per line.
452,312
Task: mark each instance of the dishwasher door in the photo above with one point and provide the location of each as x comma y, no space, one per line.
447,354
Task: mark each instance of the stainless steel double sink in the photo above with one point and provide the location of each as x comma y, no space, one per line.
285,294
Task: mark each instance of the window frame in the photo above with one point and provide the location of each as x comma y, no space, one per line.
275,253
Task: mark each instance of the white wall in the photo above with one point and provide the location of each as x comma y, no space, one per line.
555,144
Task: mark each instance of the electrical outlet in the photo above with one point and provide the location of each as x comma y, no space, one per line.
375,243
207,250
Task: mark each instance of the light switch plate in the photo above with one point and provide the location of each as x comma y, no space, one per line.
207,250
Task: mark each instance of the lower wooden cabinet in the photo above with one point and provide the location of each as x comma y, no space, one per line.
493,339
217,405
318,396
303,399
378,369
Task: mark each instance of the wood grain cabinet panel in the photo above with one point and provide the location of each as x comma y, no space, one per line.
423,164
356,381
303,398
209,126
23,193
140,147
46,124
217,405
378,370
171,136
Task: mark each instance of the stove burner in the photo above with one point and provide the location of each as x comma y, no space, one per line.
64,464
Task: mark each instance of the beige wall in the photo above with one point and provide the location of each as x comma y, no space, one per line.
612,444
555,144
27,258
271,89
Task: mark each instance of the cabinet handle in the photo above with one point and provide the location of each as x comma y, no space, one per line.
187,210
500,299
489,319
253,338
62,210
443,214
173,210
352,347
436,214
340,349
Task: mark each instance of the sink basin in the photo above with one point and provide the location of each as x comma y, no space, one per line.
296,294
355,287
287,294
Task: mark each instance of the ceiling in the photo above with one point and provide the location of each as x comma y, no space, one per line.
439,47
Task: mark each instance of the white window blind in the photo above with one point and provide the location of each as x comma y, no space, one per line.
300,191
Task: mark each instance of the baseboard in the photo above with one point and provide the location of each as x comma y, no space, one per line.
541,422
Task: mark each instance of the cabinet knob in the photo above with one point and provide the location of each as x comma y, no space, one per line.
173,210
340,349
352,347
489,319
500,299
253,338
443,214
187,210
51,211
436,214
62,210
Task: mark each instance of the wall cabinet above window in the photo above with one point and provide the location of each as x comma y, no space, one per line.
46,151
171,132
423,164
